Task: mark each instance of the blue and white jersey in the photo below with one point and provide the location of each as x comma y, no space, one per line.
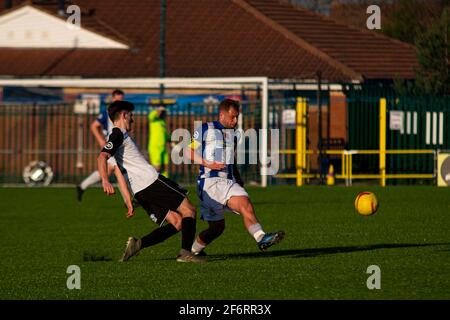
106,122
217,144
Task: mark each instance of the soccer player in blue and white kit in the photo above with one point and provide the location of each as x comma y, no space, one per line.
161,198
220,186
101,128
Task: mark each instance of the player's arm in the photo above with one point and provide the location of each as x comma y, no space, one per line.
169,142
197,159
195,154
153,115
97,131
114,142
103,170
123,186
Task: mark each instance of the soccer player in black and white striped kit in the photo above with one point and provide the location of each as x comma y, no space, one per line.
162,199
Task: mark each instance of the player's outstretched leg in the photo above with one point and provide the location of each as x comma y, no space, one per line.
215,229
134,246
187,212
270,239
131,249
243,205
93,178
80,192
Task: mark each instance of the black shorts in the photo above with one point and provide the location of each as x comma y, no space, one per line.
160,197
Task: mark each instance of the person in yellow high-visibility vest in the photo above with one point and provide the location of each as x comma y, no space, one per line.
158,139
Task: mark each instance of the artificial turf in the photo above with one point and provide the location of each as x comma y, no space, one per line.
325,254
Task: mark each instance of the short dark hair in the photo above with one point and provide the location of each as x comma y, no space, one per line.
226,104
117,92
117,106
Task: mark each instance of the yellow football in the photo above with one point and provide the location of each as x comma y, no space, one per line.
366,203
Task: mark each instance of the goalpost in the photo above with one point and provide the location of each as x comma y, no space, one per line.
174,83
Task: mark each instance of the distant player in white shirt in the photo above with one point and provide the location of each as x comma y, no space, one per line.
220,186
161,198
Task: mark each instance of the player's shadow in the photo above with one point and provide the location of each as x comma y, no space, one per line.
315,252
291,202
95,257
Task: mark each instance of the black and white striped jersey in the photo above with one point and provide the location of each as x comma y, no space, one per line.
130,160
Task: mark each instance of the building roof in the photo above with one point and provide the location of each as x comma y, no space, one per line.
366,52
217,38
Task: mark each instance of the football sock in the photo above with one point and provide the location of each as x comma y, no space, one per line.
93,178
215,229
256,231
187,233
158,235
197,246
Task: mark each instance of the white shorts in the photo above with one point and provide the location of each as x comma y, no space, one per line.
214,194
112,162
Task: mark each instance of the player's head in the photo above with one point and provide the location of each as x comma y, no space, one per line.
229,113
117,95
162,113
121,114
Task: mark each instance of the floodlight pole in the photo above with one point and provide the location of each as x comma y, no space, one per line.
162,47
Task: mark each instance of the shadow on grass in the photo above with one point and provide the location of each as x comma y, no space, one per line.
292,253
315,252
94,257
291,202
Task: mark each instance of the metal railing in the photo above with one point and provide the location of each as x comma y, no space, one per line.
303,154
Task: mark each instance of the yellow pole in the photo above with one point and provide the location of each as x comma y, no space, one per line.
350,167
347,162
300,139
383,141
305,134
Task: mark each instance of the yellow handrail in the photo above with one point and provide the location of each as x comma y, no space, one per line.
301,152
347,164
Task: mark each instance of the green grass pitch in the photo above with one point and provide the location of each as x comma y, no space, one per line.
325,255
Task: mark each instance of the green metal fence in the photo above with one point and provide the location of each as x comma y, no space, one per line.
282,118
413,123
417,123
60,136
